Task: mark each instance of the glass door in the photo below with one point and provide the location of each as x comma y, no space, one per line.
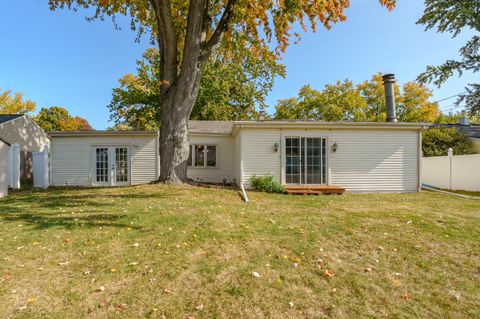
121,166
101,169
305,160
111,166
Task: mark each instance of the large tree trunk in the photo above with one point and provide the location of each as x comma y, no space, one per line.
180,83
174,145
177,105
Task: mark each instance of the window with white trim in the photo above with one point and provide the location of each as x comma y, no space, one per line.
202,155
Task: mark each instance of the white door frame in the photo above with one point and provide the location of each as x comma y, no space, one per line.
111,166
305,135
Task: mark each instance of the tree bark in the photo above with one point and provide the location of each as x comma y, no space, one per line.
180,84
174,144
177,105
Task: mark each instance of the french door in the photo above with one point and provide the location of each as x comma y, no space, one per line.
306,160
111,165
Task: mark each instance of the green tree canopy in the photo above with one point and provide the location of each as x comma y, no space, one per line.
58,118
15,103
345,101
454,16
437,141
228,90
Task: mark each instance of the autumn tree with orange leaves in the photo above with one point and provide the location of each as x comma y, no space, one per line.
186,32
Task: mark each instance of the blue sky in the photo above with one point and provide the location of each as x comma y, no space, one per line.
58,58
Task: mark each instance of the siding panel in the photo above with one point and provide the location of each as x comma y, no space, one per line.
71,158
225,159
380,160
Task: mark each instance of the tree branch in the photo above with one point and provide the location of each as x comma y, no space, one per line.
222,27
167,42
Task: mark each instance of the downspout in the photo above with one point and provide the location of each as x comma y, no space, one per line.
244,193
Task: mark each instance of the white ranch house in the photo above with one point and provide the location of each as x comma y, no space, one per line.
360,157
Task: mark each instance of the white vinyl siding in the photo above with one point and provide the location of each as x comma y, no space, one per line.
366,160
258,155
238,159
224,168
26,133
72,164
3,169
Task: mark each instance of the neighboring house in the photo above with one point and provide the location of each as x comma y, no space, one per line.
4,147
361,157
22,130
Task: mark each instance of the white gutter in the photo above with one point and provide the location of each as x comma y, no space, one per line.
244,193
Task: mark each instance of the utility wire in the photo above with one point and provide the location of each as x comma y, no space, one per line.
450,97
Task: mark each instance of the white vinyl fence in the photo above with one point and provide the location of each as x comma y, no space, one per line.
41,168
459,172
14,166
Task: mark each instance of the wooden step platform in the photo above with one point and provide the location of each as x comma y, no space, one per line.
315,190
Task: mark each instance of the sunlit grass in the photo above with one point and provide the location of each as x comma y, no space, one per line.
153,251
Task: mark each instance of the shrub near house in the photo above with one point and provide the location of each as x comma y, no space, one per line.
267,183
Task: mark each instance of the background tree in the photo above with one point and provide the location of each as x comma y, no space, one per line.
437,141
345,101
59,119
228,90
187,32
454,118
453,16
14,103
339,102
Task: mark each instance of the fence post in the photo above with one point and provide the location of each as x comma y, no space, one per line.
450,160
14,166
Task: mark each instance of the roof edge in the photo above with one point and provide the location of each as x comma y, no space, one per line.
101,133
6,142
294,123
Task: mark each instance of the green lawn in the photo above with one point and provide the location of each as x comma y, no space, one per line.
177,252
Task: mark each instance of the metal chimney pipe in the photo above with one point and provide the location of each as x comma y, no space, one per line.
389,84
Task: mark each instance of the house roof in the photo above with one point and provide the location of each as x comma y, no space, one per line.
8,117
216,127
228,127
101,133
472,130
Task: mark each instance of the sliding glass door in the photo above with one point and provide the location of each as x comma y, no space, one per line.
305,160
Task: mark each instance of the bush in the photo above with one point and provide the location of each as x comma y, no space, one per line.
437,141
266,183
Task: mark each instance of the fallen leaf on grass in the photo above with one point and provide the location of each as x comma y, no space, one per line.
63,263
290,304
136,245
199,307
7,277
406,296
255,274
328,273
100,289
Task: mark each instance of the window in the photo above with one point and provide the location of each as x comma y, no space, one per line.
202,155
